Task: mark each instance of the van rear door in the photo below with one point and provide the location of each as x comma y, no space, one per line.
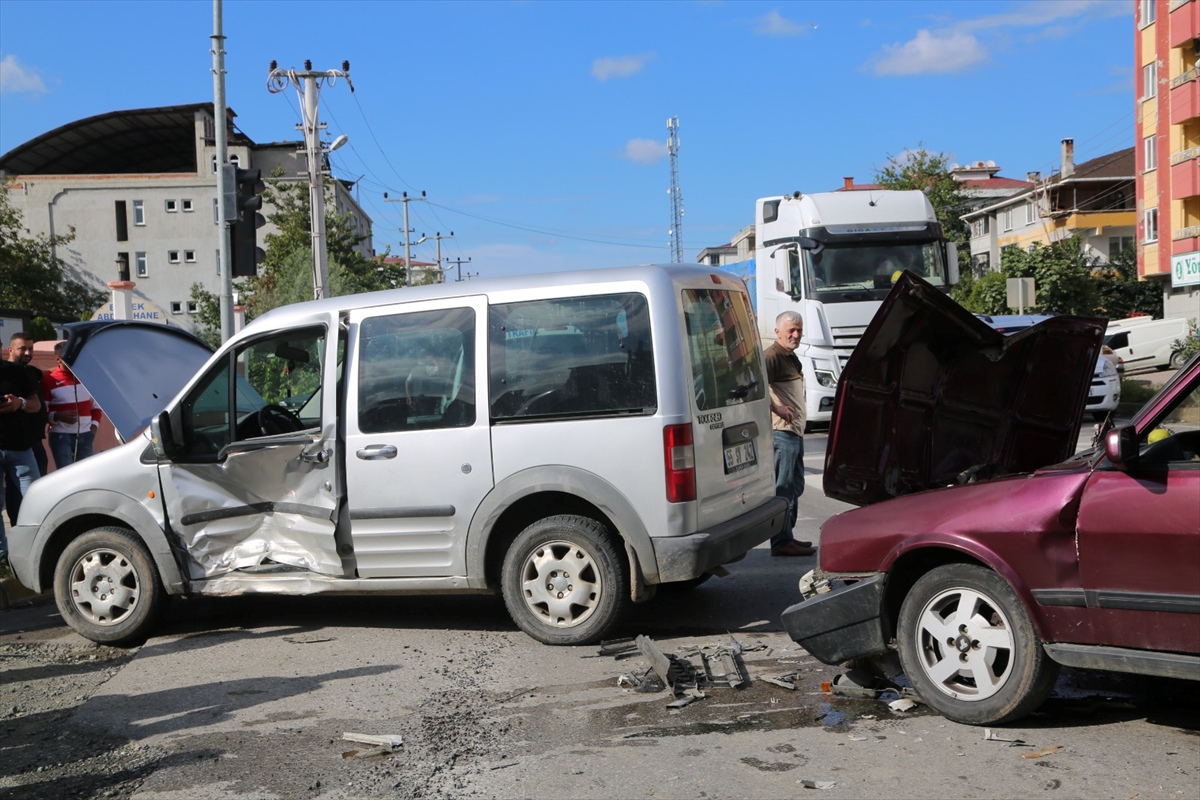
731,430
418,448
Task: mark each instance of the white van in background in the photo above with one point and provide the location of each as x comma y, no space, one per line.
1145,342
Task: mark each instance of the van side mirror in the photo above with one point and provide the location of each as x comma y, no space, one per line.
1121,445
163,436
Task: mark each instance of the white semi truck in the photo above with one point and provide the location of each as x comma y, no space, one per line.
833,257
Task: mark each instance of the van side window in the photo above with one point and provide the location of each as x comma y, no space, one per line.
268,387
1118,340
723,348
571,357
417,371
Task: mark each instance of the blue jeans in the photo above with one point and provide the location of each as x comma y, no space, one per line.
789,480
18,467
67,448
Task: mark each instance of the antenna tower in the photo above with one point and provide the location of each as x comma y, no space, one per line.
675,191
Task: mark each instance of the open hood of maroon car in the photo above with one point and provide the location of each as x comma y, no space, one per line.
132,368
933,396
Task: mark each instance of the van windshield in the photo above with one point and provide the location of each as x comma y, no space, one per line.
723,347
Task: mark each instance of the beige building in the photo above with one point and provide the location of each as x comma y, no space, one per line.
142,185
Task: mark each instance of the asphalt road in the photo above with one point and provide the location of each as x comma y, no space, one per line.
250,697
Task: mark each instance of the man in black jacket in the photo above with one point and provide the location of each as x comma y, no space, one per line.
18,400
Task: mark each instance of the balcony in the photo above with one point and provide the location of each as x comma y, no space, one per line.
1185,155
1174,4
1185,177
1185,102
1181,79
1185,23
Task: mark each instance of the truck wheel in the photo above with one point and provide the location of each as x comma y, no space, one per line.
969,649
107,588
563,581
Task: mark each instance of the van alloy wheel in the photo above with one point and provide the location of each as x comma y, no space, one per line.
563,580
107,587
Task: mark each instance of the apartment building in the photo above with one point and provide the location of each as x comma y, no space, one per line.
141,186
1167,99
1094,200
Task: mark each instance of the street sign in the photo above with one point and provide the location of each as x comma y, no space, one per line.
142,309
1185,269
1020,293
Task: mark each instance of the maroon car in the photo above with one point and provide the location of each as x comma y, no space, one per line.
987,555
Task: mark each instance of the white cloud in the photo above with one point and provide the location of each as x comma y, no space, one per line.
931,53
775,24
17,78
645,151
619,66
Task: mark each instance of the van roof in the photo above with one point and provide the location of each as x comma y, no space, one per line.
534,281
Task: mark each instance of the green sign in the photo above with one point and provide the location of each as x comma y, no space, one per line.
1185,269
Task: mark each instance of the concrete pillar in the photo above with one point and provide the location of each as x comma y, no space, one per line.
239,319
122,299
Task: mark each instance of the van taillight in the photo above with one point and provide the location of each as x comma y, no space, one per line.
680,462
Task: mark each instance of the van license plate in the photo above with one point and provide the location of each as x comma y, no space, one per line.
739,457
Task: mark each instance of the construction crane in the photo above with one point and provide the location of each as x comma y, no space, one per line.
675,191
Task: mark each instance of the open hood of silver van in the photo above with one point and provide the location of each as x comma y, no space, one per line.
132,369
933,396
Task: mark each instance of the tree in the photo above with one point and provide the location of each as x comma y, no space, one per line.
32,277
1062,273
286,273
1121,293
930,173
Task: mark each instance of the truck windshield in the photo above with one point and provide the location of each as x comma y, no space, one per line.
852,273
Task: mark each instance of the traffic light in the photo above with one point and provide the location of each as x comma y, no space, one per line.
244,250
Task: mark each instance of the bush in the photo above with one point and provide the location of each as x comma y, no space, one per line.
1190,345
1136,392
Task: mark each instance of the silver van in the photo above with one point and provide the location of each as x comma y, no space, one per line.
571,440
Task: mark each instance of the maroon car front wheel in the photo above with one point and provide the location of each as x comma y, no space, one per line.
969,648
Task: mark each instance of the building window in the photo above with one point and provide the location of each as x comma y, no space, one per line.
172,256
235,160
1150,219
714,261
189,256
1030,212
1150,80
214,164
139,212
1119,244
216,213
218,261
1150,152
193,307
176,307
1008,219
980,263
143,270
1145,13
187,205
172,206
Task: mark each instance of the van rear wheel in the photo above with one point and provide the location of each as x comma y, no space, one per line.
564,582
107,587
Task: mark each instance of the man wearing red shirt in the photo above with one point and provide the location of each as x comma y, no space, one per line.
74,415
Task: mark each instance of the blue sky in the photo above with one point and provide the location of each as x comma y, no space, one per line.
538,129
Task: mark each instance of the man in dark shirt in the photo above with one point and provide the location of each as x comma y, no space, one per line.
20,351
18,399
785,380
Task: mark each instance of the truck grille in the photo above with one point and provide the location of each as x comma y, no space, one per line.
844,342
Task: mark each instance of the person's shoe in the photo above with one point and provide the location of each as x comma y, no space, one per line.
794,548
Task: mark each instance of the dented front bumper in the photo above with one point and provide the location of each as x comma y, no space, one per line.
847,622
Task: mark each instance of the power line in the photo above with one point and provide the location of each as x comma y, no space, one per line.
545,231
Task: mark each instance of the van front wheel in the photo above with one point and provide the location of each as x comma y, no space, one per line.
107,587
564,582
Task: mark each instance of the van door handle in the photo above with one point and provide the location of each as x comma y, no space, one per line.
319,457
375,452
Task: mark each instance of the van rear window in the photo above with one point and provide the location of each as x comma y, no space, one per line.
570,357
723,348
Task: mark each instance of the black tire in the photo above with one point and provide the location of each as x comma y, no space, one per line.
570,559
107,587
933,639
1177,360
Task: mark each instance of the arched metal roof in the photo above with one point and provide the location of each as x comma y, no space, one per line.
118,142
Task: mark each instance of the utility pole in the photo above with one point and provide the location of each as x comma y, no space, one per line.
220,124
438,238
308,85
407,230
675,192
458,262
